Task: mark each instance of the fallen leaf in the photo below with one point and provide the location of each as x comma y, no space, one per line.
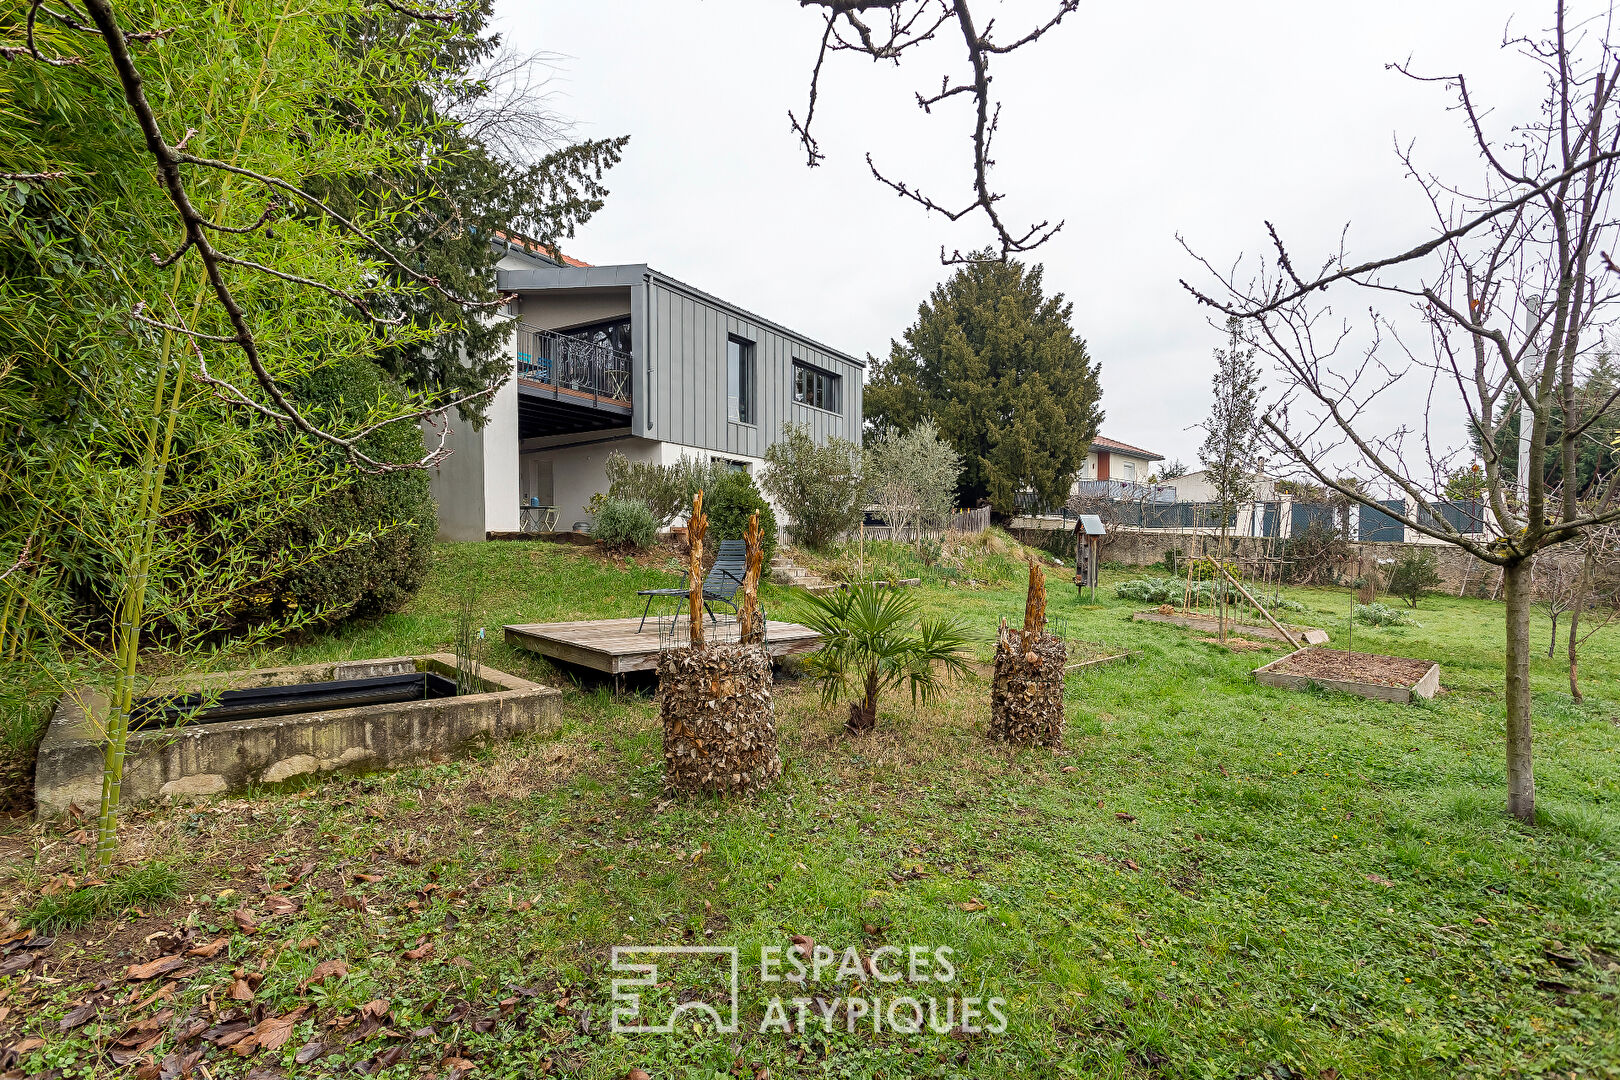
210,950
1123,816
368,877
245,921
27,1046
309,943
420,952
461,962
309,1051
803,943
228,1034
273,1033
974,904
1380,880
151,970
326,969
77,1017
390,1056
1066,768
281,905
638,1074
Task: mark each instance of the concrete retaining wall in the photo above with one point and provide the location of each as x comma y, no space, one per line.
212,759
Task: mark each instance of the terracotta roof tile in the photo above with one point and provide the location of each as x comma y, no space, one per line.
1101,443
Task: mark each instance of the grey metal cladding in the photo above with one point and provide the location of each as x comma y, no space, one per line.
679,336
686,374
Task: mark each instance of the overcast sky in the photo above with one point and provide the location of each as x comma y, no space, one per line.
1131,122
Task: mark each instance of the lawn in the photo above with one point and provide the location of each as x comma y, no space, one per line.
1210,879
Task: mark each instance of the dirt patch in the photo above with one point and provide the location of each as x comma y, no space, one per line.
1354,667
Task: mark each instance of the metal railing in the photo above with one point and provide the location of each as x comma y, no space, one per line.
574,364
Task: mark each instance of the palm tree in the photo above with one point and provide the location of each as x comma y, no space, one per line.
872,640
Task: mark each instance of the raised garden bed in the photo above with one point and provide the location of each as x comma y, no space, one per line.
1382,678
271,725
1209,624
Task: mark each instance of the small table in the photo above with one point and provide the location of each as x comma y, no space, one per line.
536,519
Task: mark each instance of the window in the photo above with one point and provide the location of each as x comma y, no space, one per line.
1130,471
740,380
812,386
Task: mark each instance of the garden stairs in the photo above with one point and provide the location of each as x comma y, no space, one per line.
784,571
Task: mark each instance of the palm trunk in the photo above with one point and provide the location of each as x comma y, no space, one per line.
1520,771
863,713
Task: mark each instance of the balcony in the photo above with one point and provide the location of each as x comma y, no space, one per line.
568,384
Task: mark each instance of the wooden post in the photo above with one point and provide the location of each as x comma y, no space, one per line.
1277,625
1034,606
695,531
750,619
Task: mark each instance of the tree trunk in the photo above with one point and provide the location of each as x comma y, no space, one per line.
1552,646
863,713
1520,772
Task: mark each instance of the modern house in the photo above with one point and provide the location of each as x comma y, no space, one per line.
626,358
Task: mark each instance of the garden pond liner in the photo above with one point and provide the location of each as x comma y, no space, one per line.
260,702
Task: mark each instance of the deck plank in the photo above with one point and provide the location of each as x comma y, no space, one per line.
615,647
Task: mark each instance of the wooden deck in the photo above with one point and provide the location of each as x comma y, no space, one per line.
614,646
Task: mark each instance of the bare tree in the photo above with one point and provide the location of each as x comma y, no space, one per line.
1229,450
1598,590
1559,578
888,30
1512,292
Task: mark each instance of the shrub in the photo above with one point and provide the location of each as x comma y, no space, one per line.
666,490
625,524
1382,615
730,502
820,487
1151,590
377,576
1172,590
1415,573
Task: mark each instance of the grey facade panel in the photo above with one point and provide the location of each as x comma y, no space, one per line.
686,351
679,339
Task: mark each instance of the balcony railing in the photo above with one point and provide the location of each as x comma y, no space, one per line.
573,365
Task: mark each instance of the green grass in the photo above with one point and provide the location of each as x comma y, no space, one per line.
1308,884
145,887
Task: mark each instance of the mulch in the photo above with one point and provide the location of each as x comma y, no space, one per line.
1354,667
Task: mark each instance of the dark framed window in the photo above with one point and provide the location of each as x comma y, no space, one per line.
739,380
815,387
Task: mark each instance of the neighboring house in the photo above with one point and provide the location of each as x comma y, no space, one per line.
1198,487
1110,459
1116,470
625,358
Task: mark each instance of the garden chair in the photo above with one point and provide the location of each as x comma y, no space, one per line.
720,585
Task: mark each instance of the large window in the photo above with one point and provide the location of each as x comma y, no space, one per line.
740,380
812,386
